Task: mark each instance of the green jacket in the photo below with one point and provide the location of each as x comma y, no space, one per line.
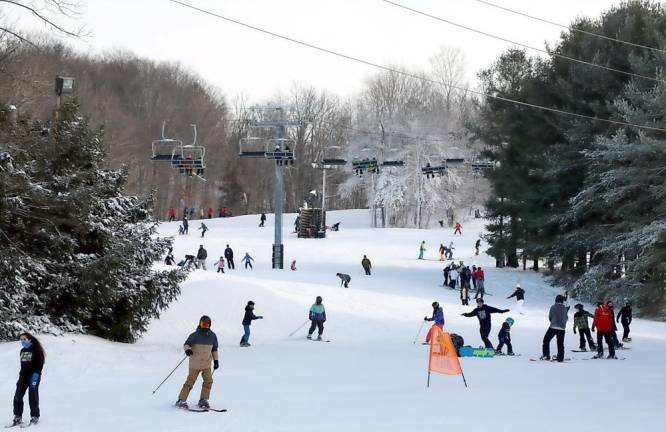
580,320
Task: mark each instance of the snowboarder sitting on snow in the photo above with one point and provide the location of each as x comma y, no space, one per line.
293,265
201,348
32,361
603,322
558,316
437,316
220,265
504,337
203,229
247,321
318,317
625,317
483,312
580,323
344,279
335,226
366,264
247,259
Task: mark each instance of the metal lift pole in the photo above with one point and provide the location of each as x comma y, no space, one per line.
278,247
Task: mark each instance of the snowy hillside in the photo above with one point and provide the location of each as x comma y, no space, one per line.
371,377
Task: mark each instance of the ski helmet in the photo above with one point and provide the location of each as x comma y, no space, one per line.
578,306
435,304
517,285
204,322
509,321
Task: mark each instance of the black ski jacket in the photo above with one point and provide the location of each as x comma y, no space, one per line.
228,253
483,314
624,315
31,361
249,315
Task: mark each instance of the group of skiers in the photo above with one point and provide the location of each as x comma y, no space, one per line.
461,275
199,260
191,213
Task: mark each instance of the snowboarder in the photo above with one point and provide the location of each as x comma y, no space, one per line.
201,348
229,255
458,229
220,265
318,317
483,312
477,246
202,254
446,271
453,276
366,264
186,225
247,259
262,219
32,362
603,322
625,317
437,317
442,251
558,316
344,279
293,265
422,249
580,323
203,229
614,331
480,283
519,294
247,321
504,337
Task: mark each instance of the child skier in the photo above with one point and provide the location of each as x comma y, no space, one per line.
247,259
318,317
201,348
504,337
344,279
442,251
625,317
458,229
32,362
247,321
203,229
422,249
293,265
580,323
220,265
437,317
366,264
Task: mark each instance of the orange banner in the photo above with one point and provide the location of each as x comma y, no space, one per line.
443,355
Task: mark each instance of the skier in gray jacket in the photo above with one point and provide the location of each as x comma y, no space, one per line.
558,317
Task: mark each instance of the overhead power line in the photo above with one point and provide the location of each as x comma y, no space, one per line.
570,28
414,76
530,47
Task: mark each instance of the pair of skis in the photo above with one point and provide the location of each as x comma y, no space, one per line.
21,425
203,409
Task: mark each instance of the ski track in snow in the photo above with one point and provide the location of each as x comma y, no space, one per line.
371,376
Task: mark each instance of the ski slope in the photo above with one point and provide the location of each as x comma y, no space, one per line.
371,377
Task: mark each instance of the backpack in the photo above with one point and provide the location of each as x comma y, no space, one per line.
458,341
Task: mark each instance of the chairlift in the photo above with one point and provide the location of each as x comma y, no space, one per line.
252,147
480,166
360,166
432,171
190,159
331,158
280,150
163,149
393,163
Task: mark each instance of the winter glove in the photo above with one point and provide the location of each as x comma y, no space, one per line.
425,318
34,380
216,365
188,352
592,329
260,317
574,330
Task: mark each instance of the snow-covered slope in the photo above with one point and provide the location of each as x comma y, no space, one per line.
371,376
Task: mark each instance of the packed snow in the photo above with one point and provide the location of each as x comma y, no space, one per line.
371,376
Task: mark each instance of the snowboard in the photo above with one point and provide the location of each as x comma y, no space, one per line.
202,409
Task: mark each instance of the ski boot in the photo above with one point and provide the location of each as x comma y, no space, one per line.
499,353
203,404
181,404
547,358
627,339
598,356
34,421
319,338
611,357
593,347
16,421
310,336
583,349
510,354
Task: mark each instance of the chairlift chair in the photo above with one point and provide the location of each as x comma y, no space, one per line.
331,159
163,148
482,165
430,171
280,150
252,147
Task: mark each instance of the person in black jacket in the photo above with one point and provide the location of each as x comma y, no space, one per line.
616,341
32,363
625,317
262,219
519,294
482,312
229,255
247,321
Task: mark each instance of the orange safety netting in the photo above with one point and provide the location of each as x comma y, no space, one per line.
443,356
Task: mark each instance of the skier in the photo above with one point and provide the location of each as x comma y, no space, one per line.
465,276
318,317
344,279
293,265
229,255
210,212
422,249
437,317
504,337
580,322
477,246
247,321
519,294
453,276
449,251
483,312
186,225
464,295
614,331
247,259
446,271
366,264
172,214
202,254
474,276
558,322
32,362
480,283
442,251
603,322
262,219
458,229
220,265
203,229
201,348
625,317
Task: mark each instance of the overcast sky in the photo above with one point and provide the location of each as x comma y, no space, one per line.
242,61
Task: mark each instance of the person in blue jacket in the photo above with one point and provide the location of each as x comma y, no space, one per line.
504,337
318,317
437,317
32,363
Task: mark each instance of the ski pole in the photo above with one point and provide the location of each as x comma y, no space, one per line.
170,373
299,327
419,332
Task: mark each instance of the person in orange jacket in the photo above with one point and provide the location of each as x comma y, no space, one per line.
603,323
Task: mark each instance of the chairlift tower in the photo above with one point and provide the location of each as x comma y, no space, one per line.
372,166
277,149
328,162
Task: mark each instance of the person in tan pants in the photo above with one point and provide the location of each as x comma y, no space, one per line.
201,348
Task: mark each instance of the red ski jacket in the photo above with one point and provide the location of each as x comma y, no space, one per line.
603,319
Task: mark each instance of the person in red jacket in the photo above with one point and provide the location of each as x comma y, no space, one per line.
210,212
458,229
603,322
